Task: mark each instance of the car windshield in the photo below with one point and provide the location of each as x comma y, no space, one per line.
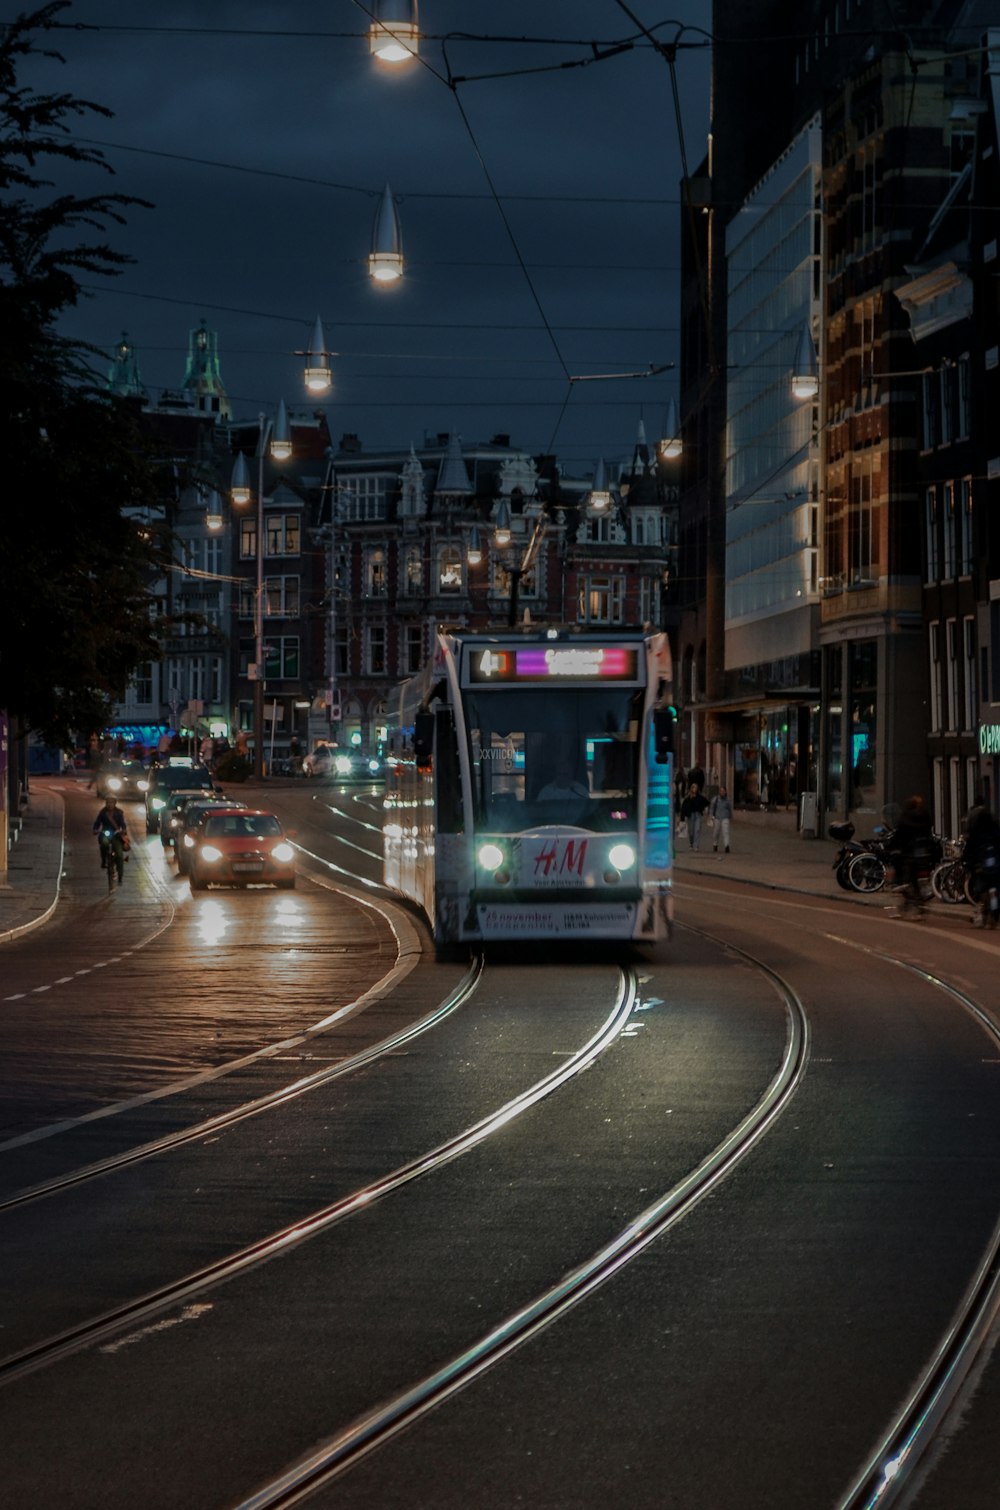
241,826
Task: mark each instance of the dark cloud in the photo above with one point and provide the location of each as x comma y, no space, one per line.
307,130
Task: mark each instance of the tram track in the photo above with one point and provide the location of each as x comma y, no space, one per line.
375,1429
183,1290
888,1474
273,1100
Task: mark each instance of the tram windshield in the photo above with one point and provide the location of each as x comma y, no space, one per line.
569,758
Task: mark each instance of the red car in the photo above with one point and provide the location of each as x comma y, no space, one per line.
242,848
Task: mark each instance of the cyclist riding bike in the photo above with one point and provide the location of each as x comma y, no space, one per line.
912,847
112,835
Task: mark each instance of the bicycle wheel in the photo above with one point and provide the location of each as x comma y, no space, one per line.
948,881
867,873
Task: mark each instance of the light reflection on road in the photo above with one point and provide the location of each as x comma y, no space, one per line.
212,922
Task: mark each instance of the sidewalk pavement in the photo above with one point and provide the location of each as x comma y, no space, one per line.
29,893
766,851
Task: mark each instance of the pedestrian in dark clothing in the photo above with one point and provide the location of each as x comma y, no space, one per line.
692,812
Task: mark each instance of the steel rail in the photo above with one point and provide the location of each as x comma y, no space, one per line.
99,1328
889,1470
280,1097
372,1431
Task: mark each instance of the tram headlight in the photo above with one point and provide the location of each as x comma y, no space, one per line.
491,856
622,856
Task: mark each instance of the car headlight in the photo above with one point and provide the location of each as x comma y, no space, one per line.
142,786
283,852
343,765
374,766
621,856
210,853
158,804
114,783
188,842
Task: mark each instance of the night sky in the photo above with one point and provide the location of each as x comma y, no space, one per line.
264,135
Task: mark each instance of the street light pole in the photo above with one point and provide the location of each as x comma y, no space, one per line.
258,614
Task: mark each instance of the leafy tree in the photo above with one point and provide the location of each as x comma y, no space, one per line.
75,560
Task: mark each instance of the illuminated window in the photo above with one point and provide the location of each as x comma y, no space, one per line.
602,600
375,572
450,569
413,574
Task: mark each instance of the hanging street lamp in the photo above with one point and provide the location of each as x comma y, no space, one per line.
385,260
394,36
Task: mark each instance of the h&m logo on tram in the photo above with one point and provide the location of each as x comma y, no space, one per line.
529,787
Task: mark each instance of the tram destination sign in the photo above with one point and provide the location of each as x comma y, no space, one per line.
553,664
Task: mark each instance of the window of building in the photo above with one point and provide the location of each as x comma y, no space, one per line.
142,683
450,569
931,534
603,529
964,413
281,597
376,584
862,668
413,572
949,404
970,714
948,528
342,649
363,497
862,536
602,599
375,649
934,646
205,683
951,674
413,649
931,416
965,547
282,534
281,657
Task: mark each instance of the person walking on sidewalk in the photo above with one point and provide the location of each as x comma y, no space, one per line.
692,812
721,814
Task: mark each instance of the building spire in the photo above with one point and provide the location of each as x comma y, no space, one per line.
124,378
203,379
453,476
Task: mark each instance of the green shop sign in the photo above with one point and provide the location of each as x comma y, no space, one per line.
989,739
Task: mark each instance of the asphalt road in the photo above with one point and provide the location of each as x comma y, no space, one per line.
753,1355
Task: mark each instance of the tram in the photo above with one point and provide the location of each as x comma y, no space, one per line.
529,783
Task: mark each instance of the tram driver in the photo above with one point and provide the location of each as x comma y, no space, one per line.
564,786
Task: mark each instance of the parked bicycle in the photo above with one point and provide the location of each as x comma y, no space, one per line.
949,878
871,871
860,864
